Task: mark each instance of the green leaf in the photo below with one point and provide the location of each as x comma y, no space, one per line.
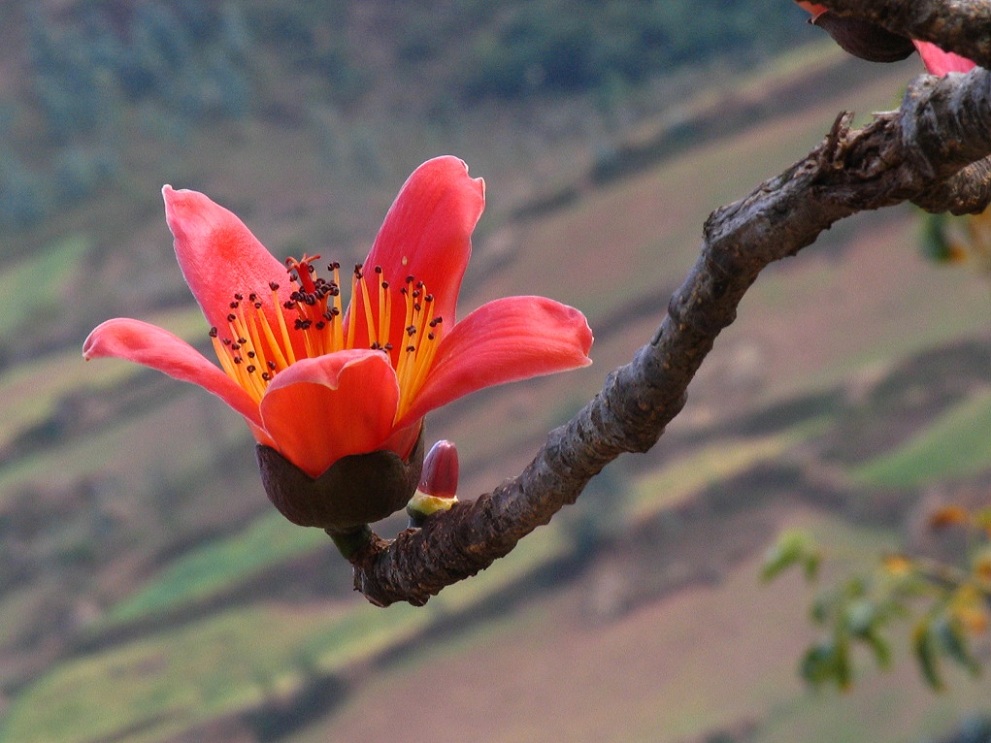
810,565
827,661
844,671
860,617
818,665
924,645
934,243
792,548
828,604
953,642
880,647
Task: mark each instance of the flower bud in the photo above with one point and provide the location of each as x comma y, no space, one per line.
864,39
438,486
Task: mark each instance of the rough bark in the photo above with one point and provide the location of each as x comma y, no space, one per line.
931,151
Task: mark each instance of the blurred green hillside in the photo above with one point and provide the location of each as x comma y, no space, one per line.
89,81
148,592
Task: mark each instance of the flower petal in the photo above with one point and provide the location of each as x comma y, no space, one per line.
327,407
155,347
814,8
938,62
219,256
503,341
427,234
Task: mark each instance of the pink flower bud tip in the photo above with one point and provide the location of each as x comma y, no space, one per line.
438,487
440,471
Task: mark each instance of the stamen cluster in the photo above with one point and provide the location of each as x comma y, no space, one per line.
265,336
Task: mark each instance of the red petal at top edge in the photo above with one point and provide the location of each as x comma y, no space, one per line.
427,234
218,255
939,62
814,8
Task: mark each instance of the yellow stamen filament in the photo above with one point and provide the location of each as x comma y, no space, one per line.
337,341
286,341
383,331
352,316
366,303
278,357
252,349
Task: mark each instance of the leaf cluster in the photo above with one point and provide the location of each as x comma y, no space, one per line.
945,605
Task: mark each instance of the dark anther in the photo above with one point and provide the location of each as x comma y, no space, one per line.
271,365
213,332
238,297
250,368
231,318
273,286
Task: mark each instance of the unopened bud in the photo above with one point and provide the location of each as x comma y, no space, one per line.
864,39
438,486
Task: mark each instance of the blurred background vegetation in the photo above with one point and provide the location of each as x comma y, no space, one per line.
94,71
147,590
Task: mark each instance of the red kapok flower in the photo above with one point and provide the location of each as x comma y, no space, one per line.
318,383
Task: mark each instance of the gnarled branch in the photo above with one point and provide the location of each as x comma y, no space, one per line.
923,152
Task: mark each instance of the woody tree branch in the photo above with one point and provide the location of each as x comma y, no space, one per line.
924,152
